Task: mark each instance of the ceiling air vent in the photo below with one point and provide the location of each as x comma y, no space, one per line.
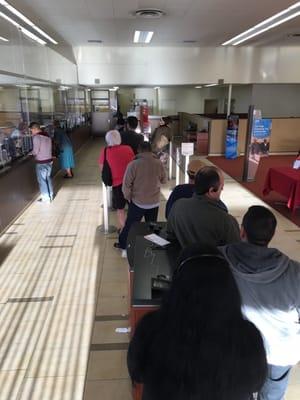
190,41
94,41
294,35
149,13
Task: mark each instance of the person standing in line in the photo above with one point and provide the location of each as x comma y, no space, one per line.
42,152
186,190
269,283
118,157
162,136
202,218
66,155
130,137
141,188
197,345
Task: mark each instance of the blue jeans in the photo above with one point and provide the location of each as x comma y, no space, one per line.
135,214
43,174
276,383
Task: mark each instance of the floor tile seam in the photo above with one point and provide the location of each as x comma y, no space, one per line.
109,380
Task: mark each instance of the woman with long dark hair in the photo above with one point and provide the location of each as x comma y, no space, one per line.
198,346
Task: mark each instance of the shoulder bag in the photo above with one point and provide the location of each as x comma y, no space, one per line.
106,171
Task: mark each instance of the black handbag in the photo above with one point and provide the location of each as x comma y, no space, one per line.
106,171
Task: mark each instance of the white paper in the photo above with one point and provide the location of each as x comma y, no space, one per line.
187,149
157,239
122,330
296,164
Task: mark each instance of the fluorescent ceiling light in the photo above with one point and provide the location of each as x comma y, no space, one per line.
116,87
149,37
4,39
26,20
22,29
142,36
157,87
267,28
267,24
136,37
198,87
211,84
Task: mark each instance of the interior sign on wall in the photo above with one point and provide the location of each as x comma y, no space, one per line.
187,149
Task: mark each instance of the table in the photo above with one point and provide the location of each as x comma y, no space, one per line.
285,181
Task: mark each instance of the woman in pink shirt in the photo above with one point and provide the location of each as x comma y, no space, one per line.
118,157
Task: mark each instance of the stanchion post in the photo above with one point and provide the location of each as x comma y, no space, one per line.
186,177
170,160
177,166
109,198
106,228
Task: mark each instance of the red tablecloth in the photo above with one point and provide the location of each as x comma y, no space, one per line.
286,181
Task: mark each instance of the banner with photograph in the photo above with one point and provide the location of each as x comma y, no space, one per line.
260,143
231,145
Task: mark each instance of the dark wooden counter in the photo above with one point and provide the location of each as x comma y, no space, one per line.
18,184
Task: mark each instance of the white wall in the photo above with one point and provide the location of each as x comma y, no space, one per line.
242,94
277,100
184,66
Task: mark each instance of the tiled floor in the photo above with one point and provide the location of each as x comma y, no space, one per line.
64,292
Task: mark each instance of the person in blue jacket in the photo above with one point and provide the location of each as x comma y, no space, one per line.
66,155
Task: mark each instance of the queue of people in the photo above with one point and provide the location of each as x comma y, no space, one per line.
228,327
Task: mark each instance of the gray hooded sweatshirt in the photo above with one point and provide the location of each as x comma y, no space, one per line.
269,283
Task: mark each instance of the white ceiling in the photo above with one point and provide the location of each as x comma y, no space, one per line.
209,22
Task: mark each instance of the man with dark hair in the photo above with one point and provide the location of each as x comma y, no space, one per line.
186,190
42,151
201,219
141,187
130,137
269,283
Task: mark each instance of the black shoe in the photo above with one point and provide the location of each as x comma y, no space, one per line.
117,246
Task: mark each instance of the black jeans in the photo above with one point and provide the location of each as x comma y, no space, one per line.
135,214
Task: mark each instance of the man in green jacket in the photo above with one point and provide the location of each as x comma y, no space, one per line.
200,219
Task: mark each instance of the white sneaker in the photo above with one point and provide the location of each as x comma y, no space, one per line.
124,254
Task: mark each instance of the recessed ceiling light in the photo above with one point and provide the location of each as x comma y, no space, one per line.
142,36
26,20
198,87
267,24
211,84
116,87
4,39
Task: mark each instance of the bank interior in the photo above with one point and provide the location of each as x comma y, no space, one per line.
65,291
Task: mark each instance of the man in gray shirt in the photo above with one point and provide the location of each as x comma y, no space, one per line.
269,283
201,219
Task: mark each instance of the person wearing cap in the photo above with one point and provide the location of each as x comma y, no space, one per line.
186,190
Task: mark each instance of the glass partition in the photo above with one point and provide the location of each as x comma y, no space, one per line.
23,103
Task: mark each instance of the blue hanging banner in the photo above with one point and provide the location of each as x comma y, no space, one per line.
231,145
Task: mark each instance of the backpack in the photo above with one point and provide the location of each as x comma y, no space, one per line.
106,171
